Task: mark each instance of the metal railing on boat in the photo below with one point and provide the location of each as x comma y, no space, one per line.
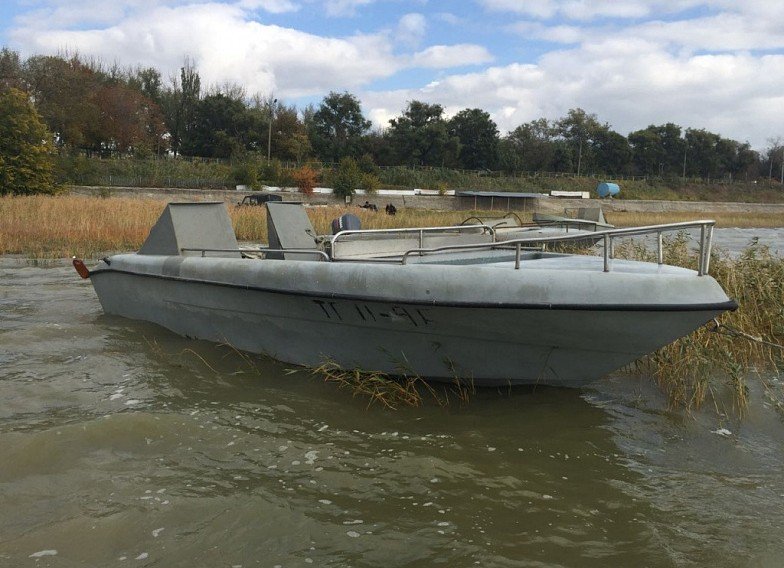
606,236
421,232
263,250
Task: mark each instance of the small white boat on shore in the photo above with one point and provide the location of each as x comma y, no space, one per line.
443,303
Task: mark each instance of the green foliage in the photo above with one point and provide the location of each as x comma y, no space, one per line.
369,182
113,112
346,178
368,166
25,147
155,172
271,172
246,173
478,137
220,128
421,137
337,127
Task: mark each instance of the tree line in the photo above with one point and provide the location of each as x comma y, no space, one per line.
97,109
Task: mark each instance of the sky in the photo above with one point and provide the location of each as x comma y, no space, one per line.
717,64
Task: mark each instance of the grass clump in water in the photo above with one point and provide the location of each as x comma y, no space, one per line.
392,392
740,343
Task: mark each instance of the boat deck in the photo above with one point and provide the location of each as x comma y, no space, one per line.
505,260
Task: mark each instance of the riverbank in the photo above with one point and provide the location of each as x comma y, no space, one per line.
621,212
442,202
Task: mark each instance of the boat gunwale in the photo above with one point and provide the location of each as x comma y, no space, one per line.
729,305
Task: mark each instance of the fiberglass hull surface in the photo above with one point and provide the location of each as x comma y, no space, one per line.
497,326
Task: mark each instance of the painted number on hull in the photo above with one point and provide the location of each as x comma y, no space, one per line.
354,312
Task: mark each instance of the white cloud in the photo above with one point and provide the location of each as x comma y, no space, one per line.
271,6
556,34
735,95
227,47
586,10
633,62
411,29
338,8
444,56
723,32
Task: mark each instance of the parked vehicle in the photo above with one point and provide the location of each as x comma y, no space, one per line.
258,199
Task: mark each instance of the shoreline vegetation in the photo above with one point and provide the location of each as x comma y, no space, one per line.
45,227
691,370
199,173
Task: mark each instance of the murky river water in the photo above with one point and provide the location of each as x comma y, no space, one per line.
124,445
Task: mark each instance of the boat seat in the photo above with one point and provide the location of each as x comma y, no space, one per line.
591,214
289,227
204,225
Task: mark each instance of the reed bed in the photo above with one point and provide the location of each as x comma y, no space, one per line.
723,219
62,226
737,345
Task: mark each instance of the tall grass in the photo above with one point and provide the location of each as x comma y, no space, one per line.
689,368
722,218
88,227
61,226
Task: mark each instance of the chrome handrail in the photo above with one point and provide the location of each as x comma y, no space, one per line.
420,230
259,249
607,236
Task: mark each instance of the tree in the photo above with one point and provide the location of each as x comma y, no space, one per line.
658,150
179,104
220,128
529,147
421,137
478,137
347,177
337,127
289,137
25,147
128,121
10,70
579,129
63,92
148,82
774,158
702,157
612,151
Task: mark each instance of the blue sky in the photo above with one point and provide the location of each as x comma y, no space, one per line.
703,64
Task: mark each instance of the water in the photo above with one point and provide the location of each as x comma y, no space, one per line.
124,445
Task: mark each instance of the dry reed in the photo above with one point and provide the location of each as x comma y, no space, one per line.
61,226
723,219
689,368
392,392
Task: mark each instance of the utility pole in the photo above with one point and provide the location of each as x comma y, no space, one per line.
269,132
685,149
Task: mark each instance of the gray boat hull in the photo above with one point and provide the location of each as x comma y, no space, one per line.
563,323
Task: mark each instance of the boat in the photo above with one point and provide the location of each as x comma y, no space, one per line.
441,303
